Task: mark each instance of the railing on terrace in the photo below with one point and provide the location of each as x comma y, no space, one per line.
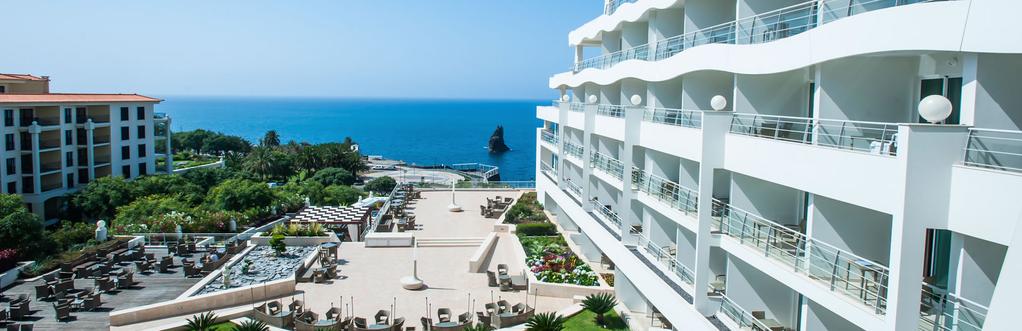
666,259
607,164
740,316
609,216
611,110
613,5
679,117
666,191
548,170
573,150
843,272
994,149
870,137
573,187
511,184
549,137
761,28
201,239
942,311
375,220
576,107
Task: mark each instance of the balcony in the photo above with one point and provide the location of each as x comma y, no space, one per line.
49,143
869,137
613,6
678,117
607,216
994,149
51,185
549,137
666,257
673,194
547,170
573,150
856,277
96,140
615,111
577,107
741,317
761,28
573,188
607,164
50,166
942,311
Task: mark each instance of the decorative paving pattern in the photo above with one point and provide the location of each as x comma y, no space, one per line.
265,267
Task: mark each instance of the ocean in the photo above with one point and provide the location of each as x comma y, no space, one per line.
416,131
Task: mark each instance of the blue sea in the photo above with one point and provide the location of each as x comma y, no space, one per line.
416,131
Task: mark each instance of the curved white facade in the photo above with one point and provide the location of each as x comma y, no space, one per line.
815,199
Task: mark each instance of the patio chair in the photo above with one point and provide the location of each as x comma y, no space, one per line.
43,292
491,278
125,281
274,307
4,316
492,309
297,306
63,312
104,283
306,321
518,308
360,323
13,327
505,285
334,314
502,269
382,316
92,302
26,327
399,324
443,315
717,286
191,271
504,306
465,318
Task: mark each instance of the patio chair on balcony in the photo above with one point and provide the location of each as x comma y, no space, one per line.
717,286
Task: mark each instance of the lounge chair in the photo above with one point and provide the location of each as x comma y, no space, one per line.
443,315
125,281
465,318
492,309
26,327
92,302
382,316
504,306
360,323
399,324
43,292
274,307
63,312
297,306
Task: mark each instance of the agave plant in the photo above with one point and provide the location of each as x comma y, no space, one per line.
599,304
545,322
202,322
251,325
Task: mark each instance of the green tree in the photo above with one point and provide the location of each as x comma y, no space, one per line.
71,234
270,139
21,229
333,176
600,303
381,185
240,195
251,325
269,163
175,185
339,195
101,197
226,144
140,210
545,322
206,178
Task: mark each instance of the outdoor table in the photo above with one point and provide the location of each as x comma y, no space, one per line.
771,324
864,266
504,277
446,324
379,327
324,323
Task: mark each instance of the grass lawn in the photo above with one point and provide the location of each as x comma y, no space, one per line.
586,320
225,326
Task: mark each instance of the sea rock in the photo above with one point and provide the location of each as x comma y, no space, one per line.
496,144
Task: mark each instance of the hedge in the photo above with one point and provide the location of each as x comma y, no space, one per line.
537,229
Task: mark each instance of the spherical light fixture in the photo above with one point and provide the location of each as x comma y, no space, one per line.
593,98
635,99
565,98
718,102
935,108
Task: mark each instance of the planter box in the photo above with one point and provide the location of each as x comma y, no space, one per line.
260,239
8,277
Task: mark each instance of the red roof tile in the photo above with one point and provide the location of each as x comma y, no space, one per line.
19,77
73,98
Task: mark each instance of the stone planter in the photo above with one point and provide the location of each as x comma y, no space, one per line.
260,239
8,277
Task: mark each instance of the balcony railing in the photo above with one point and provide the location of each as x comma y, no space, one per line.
549,137
576,107
608,60
50,186
548,170
607,164
679,117
761,28
841,271
571,149
49,143
159,116
50,166
740,316
994,149
609,216
667,257
666,191
870,137
573,188
611,110
942,311
614,4
100,139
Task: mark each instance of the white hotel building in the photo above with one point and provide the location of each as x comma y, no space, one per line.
816,197
54,143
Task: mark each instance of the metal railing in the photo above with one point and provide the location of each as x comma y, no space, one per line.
777,24
942,311
841,271
611,110
837,9
576,107
994,149
608,60
573,188
723,33
666,191
548,170
607,164
740,316
574,150
613,5
549,137
679,117
609,216
667,259
869,137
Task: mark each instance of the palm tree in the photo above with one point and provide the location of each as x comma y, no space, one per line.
202,322
270,139
251,325
600,303
545,322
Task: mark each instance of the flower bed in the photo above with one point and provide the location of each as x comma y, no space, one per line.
551,260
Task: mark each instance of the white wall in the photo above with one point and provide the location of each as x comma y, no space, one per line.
701,14
666,94
755,291
820,318
783,94
771,201
998,101
878,89
978,267
862,231
667,23
634,34
701,86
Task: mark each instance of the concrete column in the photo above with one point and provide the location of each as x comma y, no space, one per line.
633,123
926,153
587,169
170,153
579,53
715,126
970,88
37,185
89,129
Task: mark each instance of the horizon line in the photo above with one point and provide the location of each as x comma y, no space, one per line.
164,97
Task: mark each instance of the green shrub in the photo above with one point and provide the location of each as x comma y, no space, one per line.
537,229
545,322
381,185
600,303
72,234
277,243
333,176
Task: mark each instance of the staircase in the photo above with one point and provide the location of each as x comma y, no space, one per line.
449,242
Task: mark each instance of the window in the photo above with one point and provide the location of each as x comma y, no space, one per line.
69,159
141,150
70,180
12,187
68,137
9,141
141,132
124,113
8,117
3,89
140,113
67,115
125,152
12,164
125,133
126,171
141,169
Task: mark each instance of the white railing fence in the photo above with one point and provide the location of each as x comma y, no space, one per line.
611,110
667,259
994,149
942,311
607,164
678,117
666,191
608,215
870,137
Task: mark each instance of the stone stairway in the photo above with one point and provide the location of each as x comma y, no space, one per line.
449,242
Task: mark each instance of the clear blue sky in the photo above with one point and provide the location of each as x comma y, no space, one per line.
364,48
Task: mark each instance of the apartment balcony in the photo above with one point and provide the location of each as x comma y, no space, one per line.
547,113
666,257
676,117
615,4
551,138
942,311
608,60
50,185
684,127
573,189
607,165
992,164
741,318
670,193
606,215
27,185
615,111
96,140
546,169
101,159
574,152
860,279
52,143
994,149
47,167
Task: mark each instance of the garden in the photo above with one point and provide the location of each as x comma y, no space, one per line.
597,314
546,252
